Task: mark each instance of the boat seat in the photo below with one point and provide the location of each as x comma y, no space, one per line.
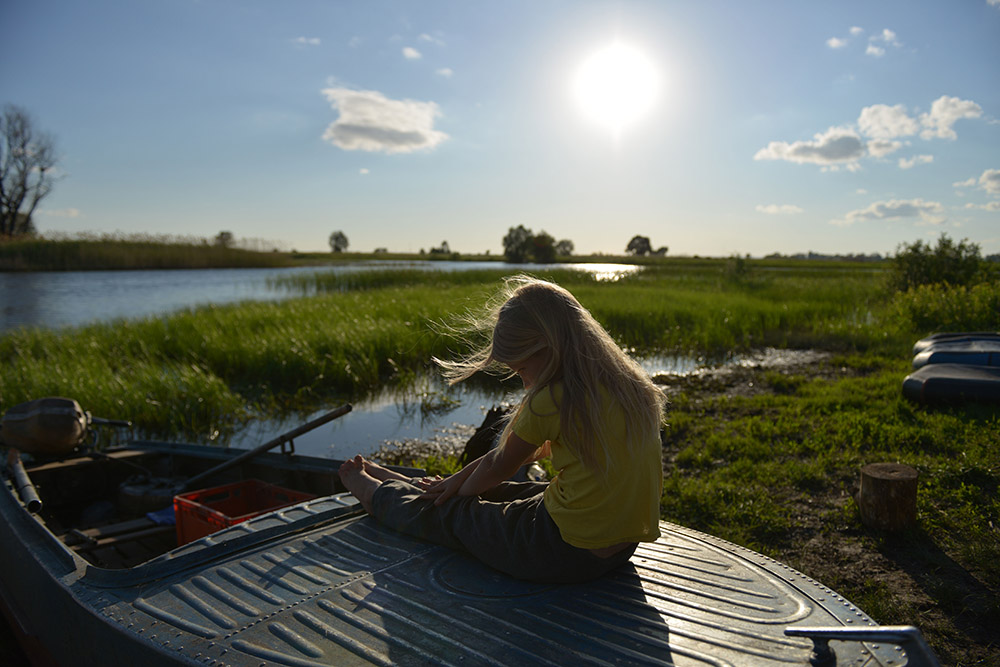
114,534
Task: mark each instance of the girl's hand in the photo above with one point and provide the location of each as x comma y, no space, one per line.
425,483
443,489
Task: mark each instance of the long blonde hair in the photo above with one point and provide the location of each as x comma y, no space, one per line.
531,315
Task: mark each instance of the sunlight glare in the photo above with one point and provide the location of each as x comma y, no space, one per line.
616,86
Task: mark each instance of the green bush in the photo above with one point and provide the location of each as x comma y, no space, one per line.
951,263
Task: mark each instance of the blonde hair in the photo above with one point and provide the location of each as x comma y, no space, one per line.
531,315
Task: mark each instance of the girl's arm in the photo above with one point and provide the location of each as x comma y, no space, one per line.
543,452
485,472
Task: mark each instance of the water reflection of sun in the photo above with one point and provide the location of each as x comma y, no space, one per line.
616,86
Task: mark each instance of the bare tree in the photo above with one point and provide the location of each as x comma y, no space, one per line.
27,158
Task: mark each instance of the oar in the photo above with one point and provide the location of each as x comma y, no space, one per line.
271,444
25,488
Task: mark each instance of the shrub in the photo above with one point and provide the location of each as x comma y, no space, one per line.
950,263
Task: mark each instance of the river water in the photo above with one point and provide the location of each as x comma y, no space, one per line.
57,300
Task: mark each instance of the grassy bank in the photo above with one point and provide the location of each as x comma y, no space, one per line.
762,457
127,253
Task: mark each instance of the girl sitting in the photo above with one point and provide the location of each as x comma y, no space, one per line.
588,406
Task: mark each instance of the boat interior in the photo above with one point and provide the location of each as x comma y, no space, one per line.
114,508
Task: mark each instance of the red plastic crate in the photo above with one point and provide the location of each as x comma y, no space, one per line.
206,511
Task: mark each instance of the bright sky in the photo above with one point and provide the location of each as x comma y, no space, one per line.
713,127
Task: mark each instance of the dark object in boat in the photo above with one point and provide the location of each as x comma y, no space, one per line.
46,426
969,352
953,383
954,337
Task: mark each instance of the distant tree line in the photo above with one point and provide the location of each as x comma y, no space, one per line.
850,257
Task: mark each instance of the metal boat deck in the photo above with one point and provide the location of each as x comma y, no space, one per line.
349,592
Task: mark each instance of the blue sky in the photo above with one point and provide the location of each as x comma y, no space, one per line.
836,127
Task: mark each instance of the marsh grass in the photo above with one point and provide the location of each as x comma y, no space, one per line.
950,308
116,252
207,370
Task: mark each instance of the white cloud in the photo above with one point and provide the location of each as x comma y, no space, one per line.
995,3
881,147
881,124
446,72
881,121
363,171
878,43
990,181
841,42
433,40
989,206
778,209
411,53
836,146
369,121
945,111
306,41
860,191
888,36
914,161
895,209
59,212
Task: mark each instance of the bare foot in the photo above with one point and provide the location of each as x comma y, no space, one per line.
383,474
361,484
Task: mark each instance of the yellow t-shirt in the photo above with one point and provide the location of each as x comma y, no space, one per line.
593,512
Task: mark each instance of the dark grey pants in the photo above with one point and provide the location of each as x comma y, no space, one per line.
508,528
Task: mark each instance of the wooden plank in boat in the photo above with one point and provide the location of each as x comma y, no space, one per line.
80,460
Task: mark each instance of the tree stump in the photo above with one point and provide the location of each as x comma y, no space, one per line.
888,496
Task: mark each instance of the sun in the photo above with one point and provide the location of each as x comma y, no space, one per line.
616,86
